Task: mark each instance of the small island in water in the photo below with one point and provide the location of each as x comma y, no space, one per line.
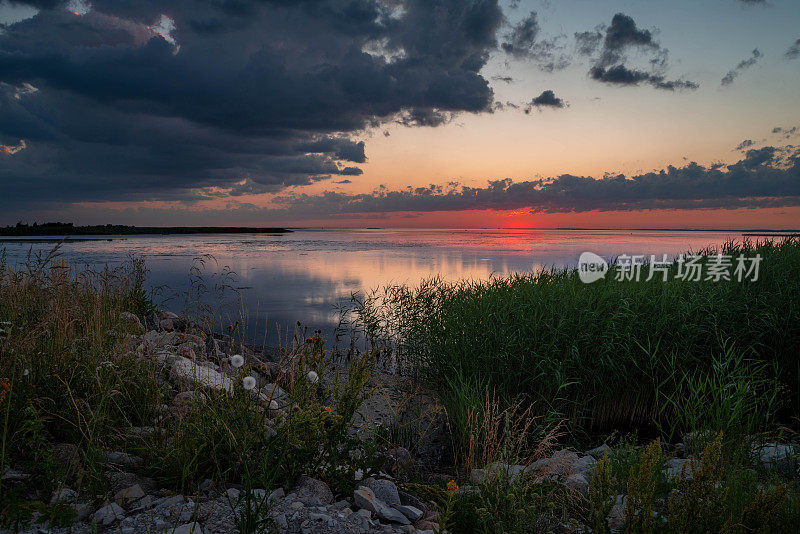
68,229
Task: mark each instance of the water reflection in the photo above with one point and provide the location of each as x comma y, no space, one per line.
301,276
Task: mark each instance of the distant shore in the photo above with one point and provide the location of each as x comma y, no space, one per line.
67,229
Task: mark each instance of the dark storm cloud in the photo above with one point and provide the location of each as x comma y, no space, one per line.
547,99
522,42
794,51
610,63
250,95
522,37
768,176
744,64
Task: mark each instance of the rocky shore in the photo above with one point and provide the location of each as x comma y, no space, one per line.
196,364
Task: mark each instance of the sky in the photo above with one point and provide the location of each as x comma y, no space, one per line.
412,113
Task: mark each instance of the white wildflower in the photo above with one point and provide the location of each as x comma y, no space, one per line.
249,382
237,360
313,377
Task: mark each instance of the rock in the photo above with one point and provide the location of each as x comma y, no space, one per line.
407,499
313,492
676,465
776,454
384,490
365,498
185,401
108,514
578,483
411,512
129,494
188,528
131,322
276,496
118,480
64,495
599,452
584,465
123,459
14,476
186,371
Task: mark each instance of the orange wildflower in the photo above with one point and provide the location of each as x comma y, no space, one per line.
452,487
328,409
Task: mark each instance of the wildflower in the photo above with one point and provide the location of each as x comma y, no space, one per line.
452,487
328,409
249,382
313,377
237,360
265,368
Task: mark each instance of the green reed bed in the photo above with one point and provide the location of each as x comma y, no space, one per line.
611,354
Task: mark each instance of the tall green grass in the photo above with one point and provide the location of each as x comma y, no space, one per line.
608,354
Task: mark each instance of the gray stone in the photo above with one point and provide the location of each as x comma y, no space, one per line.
676,465
129,494
188,528
123,459
776,454
578,483
131,322
108,514
313,492
412,513
599,452
584,465
365,498
385,490
64,495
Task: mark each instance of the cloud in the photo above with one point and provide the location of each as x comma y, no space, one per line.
547,99
522,42
746,143
622,75
769,176
247,95
617,39
794,50
741,66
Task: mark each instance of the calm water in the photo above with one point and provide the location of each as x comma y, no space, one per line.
302,276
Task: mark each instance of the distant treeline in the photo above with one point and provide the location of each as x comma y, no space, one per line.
68,229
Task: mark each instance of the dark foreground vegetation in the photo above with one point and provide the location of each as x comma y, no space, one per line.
68,229
111,410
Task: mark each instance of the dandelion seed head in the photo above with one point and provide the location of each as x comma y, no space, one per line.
237,360
249,382
26,372
313,377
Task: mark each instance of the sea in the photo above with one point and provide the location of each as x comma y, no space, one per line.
268,284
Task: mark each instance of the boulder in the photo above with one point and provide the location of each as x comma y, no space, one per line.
108,514
365,499
385,490
313,492
129,494
131,322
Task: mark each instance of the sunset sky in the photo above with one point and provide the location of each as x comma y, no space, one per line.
425,113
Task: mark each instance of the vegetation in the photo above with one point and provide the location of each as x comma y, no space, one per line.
608,355
523,366
70,375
